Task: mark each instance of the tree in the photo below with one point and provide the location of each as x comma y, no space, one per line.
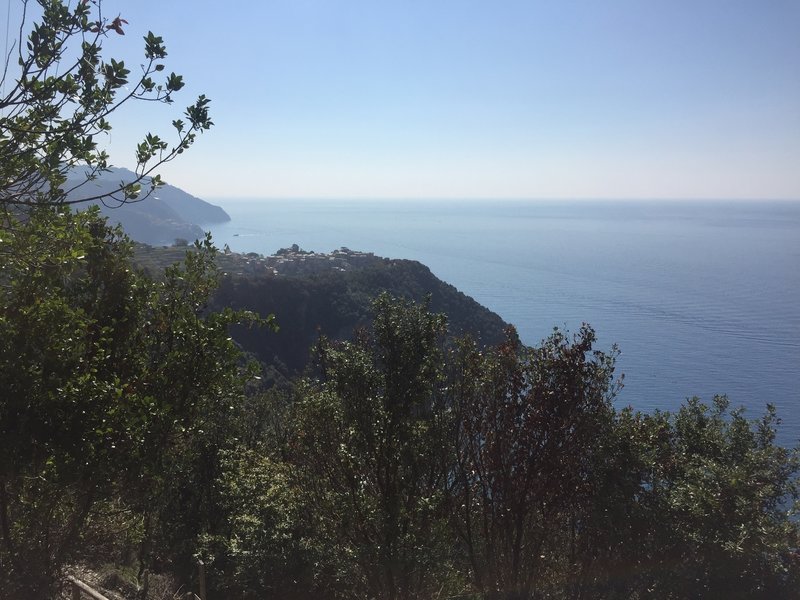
267,548
115,387
370,451
59,102
528,421
717,501
106,377
104,372
556,494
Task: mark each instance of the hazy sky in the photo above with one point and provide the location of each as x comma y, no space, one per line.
438,98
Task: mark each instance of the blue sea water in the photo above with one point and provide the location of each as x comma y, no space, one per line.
702,298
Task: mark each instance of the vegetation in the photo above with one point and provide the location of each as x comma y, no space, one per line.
402,466
334,304
109,381
529,428
58,103
369,448
406,469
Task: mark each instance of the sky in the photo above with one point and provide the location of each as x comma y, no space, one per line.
475,99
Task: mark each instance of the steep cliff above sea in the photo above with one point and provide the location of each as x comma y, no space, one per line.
314,294
164,216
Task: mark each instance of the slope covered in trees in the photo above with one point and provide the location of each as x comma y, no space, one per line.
135,438
335,303
161,218
405,468
331,303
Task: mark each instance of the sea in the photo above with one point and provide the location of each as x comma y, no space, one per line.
700,297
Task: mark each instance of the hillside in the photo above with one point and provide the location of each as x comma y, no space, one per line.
332,302
168,214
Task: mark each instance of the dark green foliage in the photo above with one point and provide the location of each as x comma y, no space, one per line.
105,375
715,504
334,304
267,547
369,448
558,495
108,379
59,93
529,422
403,470
406,471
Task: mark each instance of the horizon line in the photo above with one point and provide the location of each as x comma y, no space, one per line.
498,199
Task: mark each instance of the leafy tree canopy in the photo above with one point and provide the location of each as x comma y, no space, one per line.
106,375
60,94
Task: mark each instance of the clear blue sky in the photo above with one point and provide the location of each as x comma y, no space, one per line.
441,98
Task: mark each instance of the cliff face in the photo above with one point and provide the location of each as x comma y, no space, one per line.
167,214
334,303
324,294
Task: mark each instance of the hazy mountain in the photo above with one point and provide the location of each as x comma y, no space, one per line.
166,215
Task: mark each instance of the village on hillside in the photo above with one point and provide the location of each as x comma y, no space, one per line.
291,261
295,261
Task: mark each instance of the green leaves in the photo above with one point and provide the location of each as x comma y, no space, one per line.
174,82
368,446
66,89
115,73
106,375
150,147
154,48
131,191
718,502
198,114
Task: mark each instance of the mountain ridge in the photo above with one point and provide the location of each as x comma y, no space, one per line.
168,214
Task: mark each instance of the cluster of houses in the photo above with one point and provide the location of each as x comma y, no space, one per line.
297,262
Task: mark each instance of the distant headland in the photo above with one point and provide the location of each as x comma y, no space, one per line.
168,214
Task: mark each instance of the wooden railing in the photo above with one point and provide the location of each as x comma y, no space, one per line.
201,579
81,589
